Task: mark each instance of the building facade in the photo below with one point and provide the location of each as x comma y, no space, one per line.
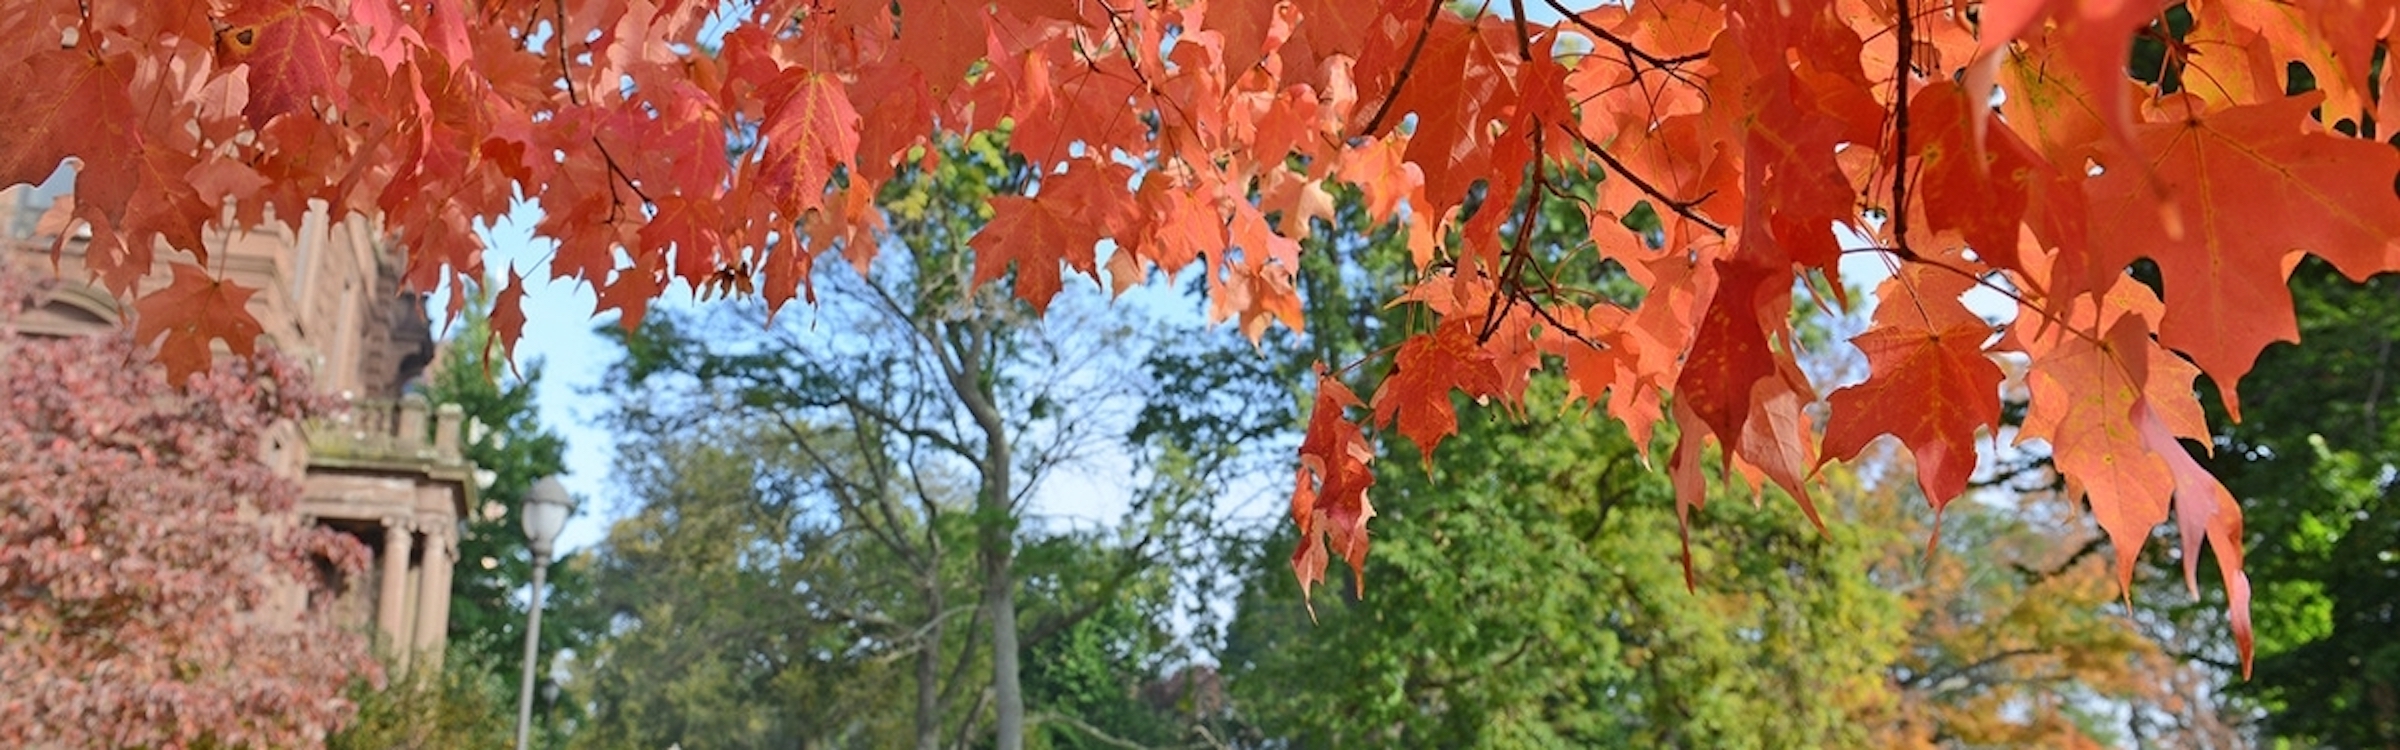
388,469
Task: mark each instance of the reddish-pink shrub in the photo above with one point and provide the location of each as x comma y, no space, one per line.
143,535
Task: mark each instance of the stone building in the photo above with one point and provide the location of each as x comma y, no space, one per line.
388,470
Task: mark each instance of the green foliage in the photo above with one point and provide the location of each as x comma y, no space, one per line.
463,706
724,589
1531,595
2313,462
1086,680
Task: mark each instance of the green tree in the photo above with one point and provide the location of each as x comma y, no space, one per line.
735,598
1085,680
2313,462
1529,593
463,706
1531,596
495,563
933,391
750,608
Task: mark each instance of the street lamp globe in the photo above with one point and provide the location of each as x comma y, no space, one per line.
546,509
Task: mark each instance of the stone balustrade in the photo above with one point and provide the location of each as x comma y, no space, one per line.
376,430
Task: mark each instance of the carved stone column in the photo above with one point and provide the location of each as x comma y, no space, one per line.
391,601
433,595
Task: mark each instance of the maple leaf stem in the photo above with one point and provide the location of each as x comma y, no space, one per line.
1433,10
1618,168
1509,284
1570,331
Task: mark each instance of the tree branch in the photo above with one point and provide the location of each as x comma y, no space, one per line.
1661,63
1433,10
1617,168
1079,725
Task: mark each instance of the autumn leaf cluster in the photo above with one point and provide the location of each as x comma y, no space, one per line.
726,147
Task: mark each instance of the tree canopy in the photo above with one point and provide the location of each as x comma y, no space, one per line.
1748,147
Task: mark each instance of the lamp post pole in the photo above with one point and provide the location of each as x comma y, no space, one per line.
533,637
546,509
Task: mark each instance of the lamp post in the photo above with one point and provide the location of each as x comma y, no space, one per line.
546,509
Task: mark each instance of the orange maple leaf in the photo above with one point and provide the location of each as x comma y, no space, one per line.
2251,186
2085,396
189,313
1035,234
2094,38
1930,384
810,129
2204,509
1427,367
1456,87
1329,490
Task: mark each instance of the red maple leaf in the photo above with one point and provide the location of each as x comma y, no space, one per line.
943,39
1034,234
81,111
1329,492
1977,190
1729,347
293,54
810,129
507,319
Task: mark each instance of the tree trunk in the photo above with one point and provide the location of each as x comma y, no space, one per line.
996,529
997,540
929,667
